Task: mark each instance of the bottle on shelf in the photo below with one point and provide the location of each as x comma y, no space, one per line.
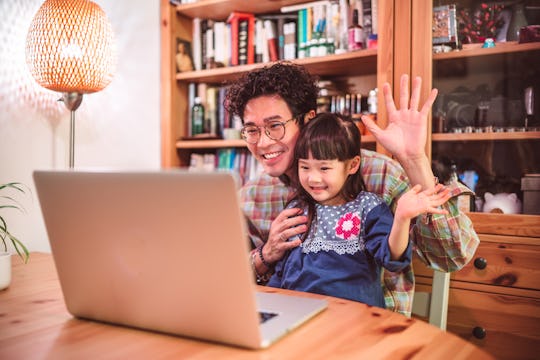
439,116
197,117
372,102
517,21
356,33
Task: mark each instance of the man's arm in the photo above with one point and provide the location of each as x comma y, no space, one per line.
445,242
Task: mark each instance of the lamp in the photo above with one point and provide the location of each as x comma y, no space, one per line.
69,49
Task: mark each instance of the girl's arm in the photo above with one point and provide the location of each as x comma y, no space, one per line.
411,204
399,237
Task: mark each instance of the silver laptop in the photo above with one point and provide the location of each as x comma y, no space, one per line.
163,251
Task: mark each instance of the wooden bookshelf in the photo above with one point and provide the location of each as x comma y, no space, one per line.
363,62
490,136
471,50
176,22
218,143
220,9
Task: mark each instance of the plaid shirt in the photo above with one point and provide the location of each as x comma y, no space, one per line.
443,242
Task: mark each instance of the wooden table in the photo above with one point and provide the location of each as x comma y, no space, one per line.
34,324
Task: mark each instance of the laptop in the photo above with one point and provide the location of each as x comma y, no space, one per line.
164,251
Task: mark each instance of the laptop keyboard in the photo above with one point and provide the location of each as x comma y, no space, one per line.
264,316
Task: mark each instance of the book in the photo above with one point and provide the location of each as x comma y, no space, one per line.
202,35
202,162
211,110
260,42
221,113
280,20
332,23
319,21
281,37
221,44
210,47
196,31
309,23
289,39
271,39
243,42
302,33
234,21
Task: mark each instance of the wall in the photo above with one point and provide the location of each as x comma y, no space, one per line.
117,128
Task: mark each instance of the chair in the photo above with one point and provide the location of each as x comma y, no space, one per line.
434,305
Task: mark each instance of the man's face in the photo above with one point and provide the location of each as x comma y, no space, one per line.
276,156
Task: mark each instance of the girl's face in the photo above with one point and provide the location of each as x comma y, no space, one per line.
276,156
324,179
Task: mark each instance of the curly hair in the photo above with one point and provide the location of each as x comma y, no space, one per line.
292,82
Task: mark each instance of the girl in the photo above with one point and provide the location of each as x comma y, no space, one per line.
351,233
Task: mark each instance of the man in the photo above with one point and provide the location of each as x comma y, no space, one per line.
275,102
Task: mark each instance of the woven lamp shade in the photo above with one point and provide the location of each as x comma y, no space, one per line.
69,47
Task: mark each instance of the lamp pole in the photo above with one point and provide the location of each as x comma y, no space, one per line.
72,100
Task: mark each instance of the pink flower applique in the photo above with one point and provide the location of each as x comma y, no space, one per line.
348,225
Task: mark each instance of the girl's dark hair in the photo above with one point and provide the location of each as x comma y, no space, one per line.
292,82
328,136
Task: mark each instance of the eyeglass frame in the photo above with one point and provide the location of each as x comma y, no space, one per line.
266,131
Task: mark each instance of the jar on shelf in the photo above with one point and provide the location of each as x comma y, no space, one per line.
517,21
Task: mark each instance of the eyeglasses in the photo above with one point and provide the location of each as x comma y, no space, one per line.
275,130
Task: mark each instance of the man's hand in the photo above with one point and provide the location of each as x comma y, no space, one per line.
406,134
287,224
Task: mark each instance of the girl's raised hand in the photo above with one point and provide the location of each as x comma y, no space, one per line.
416,202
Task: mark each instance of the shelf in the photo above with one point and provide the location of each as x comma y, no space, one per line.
354,63
219,10
471,50
209,144
529,135
218,144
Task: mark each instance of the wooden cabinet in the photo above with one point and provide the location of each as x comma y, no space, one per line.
494,301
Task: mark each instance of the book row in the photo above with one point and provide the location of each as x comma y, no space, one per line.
239,161
313,29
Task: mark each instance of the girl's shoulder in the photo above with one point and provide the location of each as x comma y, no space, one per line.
367,201
369,196
296,203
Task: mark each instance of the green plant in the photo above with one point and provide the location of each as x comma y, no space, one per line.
11,203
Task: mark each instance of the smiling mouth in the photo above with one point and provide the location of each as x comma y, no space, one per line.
270,156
